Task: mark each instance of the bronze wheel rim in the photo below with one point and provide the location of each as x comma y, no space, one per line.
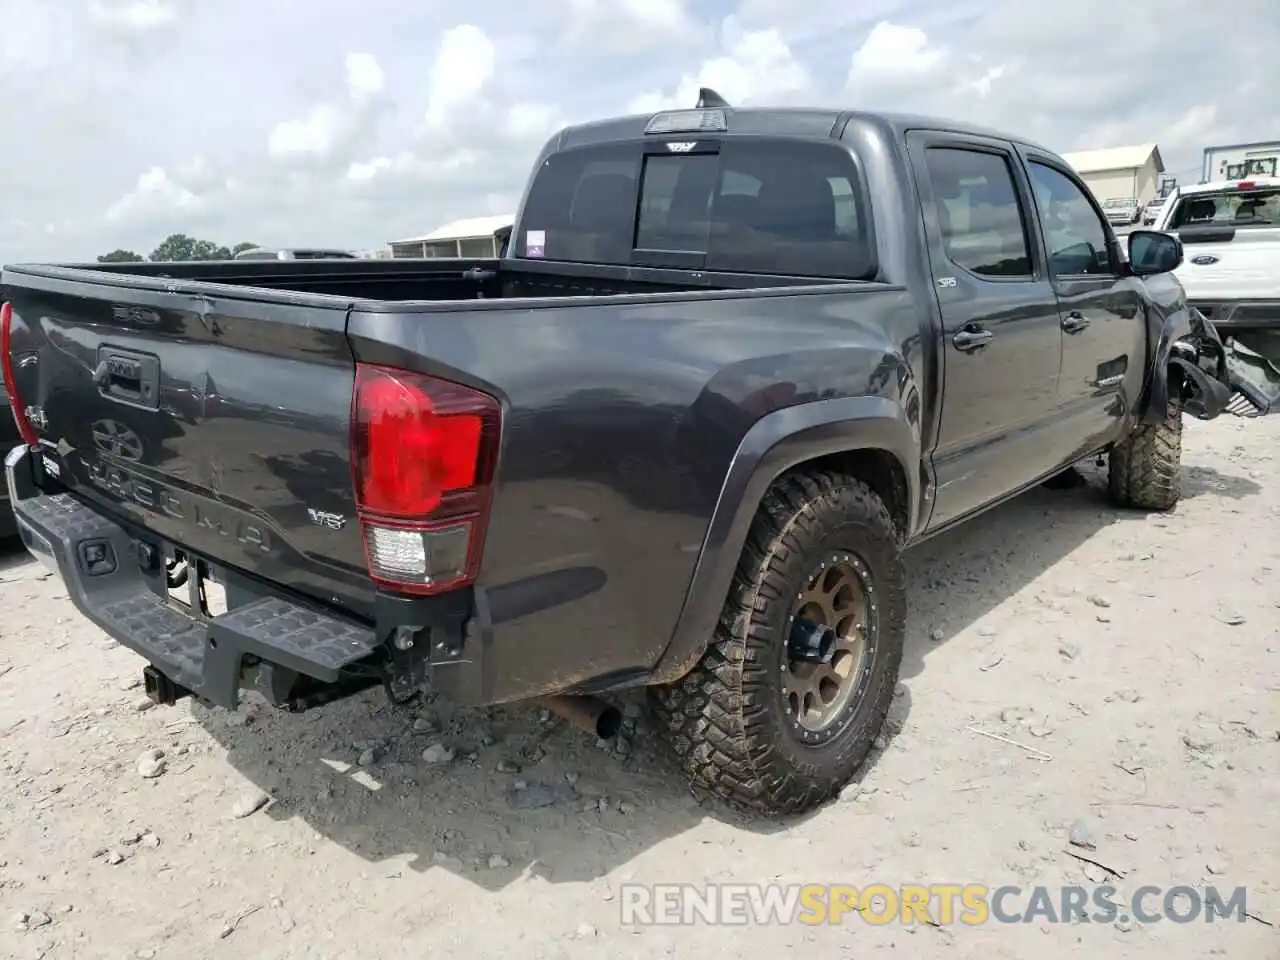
821,698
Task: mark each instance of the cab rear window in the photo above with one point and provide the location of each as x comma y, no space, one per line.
792,208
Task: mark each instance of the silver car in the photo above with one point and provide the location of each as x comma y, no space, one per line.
1152,210
1122,211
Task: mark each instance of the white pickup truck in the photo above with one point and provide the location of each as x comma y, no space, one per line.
1231,271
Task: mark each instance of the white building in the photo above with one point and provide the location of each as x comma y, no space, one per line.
472,237
1120,172
1237,161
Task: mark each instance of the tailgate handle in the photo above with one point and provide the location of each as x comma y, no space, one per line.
131,377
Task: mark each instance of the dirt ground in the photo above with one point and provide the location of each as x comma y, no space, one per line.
1139,655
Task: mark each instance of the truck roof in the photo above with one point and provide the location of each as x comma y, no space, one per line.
1213,186
779,121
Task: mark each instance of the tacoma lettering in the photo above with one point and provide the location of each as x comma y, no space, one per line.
154,496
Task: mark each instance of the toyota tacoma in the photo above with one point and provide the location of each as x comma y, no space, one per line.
731,364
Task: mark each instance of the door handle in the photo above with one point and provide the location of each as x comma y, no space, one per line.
1074,322
971,339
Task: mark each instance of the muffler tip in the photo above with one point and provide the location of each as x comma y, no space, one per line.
589,714
608,723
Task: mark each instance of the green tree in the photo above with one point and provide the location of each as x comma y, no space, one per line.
180,246
176,246
120,256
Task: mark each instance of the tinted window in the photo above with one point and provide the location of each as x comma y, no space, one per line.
790,208
787,208
581,206
1074,233
979,213
1228,208
675,207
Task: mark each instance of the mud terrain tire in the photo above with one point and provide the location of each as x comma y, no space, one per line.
1144,471
727,720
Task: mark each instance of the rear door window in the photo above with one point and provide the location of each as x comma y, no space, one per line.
793,208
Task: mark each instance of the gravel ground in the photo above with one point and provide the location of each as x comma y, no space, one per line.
1129,661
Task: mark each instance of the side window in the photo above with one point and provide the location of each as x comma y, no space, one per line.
1073,231
982,220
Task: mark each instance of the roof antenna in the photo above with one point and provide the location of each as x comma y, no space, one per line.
709,98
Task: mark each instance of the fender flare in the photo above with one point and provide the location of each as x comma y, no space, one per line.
1214,392
773,445
1175,326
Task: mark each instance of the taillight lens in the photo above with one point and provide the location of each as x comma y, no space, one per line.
25,430
423,454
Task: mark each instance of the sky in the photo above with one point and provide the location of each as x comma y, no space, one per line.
350,124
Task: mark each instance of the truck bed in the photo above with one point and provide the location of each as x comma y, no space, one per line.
427,280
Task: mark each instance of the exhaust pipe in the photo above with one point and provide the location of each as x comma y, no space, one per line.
587,713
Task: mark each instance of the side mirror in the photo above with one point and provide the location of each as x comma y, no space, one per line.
1152,252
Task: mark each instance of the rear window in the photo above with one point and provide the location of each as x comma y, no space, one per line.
744,206
1228,208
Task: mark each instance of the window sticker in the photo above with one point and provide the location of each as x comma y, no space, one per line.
535,243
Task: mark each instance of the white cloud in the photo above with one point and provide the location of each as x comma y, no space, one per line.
154,196
313,135
135,16
328,129
756,66
465,63
365,79
129,119
891,54
619,26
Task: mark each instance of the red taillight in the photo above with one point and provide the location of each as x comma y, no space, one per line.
25,430
1245,185
423,454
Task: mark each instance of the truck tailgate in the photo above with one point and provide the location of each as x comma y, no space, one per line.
218,421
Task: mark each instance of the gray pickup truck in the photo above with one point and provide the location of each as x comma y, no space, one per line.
731,364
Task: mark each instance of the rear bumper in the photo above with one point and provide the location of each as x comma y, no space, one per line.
269,642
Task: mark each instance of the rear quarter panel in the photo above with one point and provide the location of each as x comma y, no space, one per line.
620,423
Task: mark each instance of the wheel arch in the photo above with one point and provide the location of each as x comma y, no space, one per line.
872,438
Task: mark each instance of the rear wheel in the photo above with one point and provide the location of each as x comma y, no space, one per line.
795,685
1144,470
